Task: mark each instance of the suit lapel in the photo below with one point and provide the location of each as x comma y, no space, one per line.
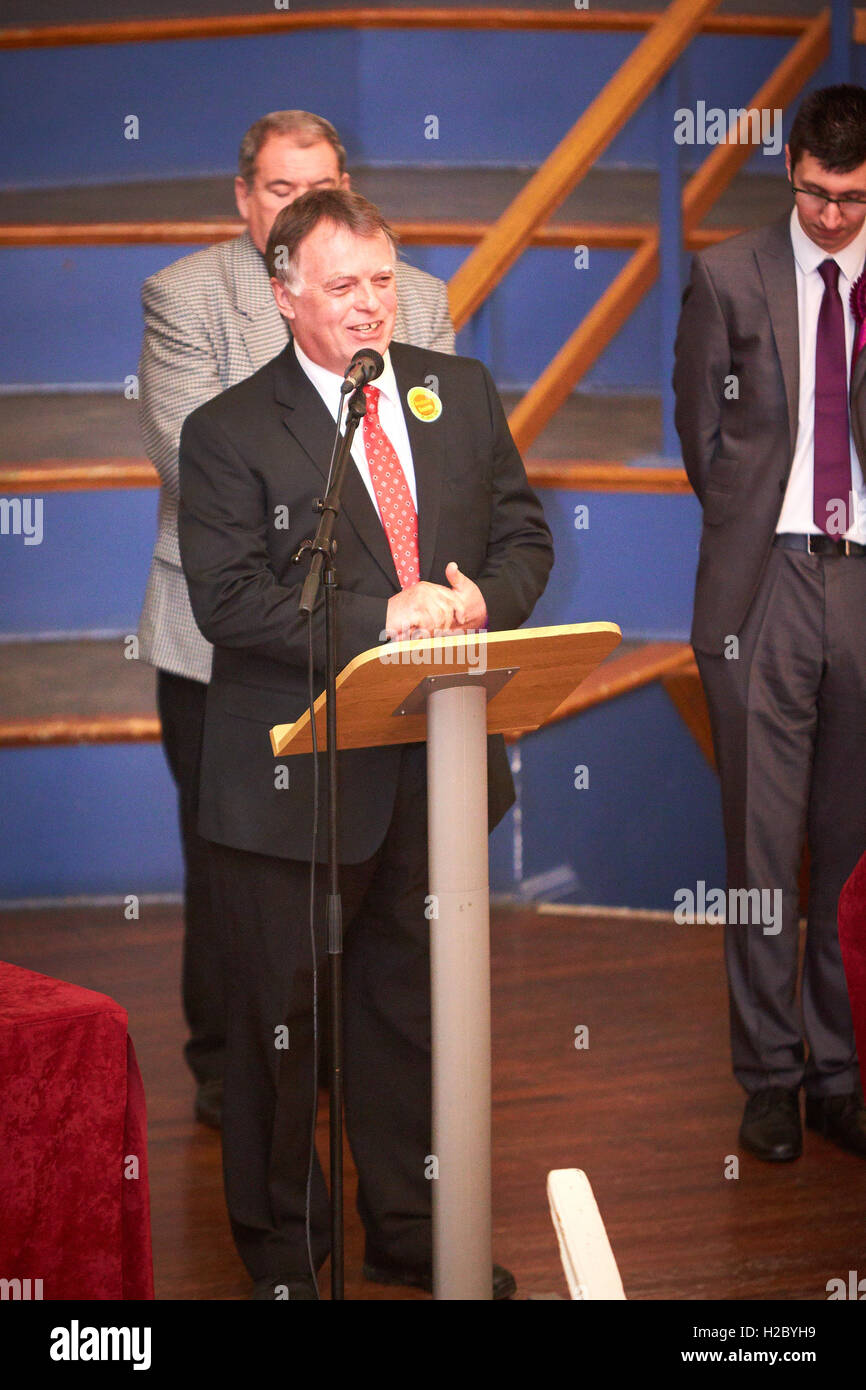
310,424
427,442
776,266
261,326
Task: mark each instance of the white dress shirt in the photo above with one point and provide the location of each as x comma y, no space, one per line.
798,505
391,418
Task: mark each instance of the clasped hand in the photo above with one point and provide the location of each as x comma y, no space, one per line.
427,610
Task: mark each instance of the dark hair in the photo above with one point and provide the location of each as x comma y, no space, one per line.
304,128
831,126
297,220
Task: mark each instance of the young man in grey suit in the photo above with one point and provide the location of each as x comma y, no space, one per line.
438,531
210,321
771,412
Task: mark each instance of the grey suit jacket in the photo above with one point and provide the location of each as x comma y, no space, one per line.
737,383
210,322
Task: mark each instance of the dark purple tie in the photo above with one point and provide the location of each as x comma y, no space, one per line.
832,445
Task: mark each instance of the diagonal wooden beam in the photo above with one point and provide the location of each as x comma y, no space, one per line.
858,29
687,693
574,155
783,84
586,343
591,337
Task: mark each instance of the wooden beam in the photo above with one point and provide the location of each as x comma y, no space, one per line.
77,475
192,233
795,69
574,155
701,237
88,475
584,347
610,235
588,476
602,236
620,674
71,729
687,693
588,340
421,17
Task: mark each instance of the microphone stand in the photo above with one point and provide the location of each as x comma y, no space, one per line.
323,570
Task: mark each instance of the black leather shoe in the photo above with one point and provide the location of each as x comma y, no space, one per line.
771,1126
293,1288
209,1103
504,1283
840,1118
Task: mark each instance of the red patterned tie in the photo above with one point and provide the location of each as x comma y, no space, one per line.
392,494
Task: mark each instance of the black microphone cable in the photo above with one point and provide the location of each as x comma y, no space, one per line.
311,692
312,1155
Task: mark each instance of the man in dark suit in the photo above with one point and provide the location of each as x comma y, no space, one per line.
210,321
439,531
774,442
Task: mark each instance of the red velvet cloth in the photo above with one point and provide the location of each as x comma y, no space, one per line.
72,1126
852,939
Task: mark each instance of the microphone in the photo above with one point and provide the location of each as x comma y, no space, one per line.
365,366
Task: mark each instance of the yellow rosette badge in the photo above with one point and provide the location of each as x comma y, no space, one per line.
424,404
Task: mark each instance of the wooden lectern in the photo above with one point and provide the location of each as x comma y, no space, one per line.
453,692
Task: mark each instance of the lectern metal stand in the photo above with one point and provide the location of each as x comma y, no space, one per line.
387,696
460,974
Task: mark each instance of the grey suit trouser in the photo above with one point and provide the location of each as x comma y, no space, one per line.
788,715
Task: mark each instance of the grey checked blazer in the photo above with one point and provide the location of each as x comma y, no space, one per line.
210,322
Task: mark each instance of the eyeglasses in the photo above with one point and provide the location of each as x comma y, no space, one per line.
849,204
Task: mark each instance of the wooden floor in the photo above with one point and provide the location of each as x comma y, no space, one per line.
649,1110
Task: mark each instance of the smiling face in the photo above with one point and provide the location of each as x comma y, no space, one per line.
827,225
284,170
345,298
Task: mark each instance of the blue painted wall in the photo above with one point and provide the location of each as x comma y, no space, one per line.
501,98
89,572
88,820
633,565
94,293
102,820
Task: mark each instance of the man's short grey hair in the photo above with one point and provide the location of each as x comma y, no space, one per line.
297,220
305,129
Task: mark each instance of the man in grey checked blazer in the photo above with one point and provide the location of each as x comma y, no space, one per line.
210,322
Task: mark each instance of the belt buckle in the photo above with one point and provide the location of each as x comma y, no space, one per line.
847,545
809,539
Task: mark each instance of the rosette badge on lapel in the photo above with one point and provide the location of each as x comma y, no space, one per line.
424,403
858,309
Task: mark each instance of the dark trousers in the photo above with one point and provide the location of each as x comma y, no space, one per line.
270,1088
181,705
789,725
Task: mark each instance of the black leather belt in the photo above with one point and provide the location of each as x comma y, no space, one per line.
819,545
